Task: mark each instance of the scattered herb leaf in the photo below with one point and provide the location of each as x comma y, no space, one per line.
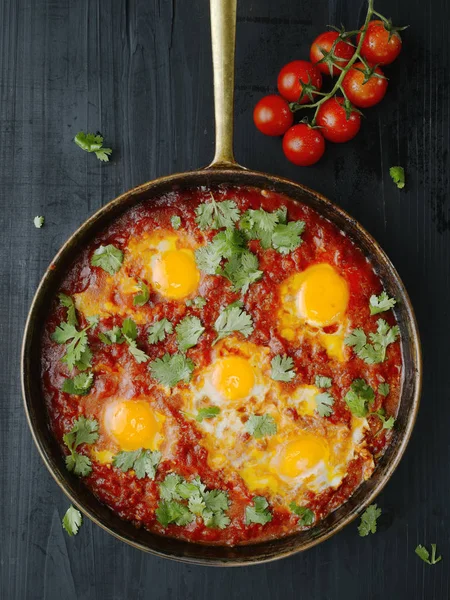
359,397
259,512
84,431
158,331
171,369
261,425
175,221
89,142
109,258
141,297
72,521
383,389
143,462
381,303
324,402
398,176
282,368
188,332
38,222
233,319
323,382
306,515
423,553
369,520
79,385
215,215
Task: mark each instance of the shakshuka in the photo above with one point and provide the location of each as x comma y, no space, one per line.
222,365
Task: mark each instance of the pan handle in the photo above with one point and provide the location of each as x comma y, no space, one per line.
223,37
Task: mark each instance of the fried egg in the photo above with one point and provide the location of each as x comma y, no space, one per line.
314,304
167,262
128,425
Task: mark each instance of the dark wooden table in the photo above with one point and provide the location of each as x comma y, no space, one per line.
140,72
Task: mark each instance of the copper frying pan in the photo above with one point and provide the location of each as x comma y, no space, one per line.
223,169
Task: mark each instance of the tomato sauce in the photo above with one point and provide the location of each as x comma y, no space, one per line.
136,499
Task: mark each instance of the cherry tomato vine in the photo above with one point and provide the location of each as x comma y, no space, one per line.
360,83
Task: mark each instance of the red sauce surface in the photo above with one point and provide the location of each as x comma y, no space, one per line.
136,500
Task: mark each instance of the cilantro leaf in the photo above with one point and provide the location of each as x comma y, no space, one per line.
142,297
171,369
208,258
168,487
144,462
287,237
188,332
282,368
359,397
381,303
259,224
306,515
84,431
375,352
261,425
67,301
158,331
369,520
259,512
85,360
197,302
78,342
175,221
398,176
112,336
423,553
356,339
215,215
209,412
324,402
209,505
233,319
38,222
109,258
387,423
173,512
323,382
89,142
242,270
383,389
72,521
79,385
130,332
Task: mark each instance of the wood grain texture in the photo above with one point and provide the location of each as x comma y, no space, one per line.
140,72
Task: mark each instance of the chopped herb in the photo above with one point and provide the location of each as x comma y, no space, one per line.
381,303
282,368
77,346
215,215
38,222
398,176
261,426
89,142
287,238
72,521
259,512
242,270
70,305
208,505
130,333
171,369
79,385
369,520
158,331
233,319
142,297
324,402
112,336
323,382
306,515
383,389
359,397
175,221
84,431
143,462
375,352
197,302
188,332
423,553
109,258
387,423
208,412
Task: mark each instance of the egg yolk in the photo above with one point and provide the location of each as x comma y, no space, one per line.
233,377
175,274
323,295
135,425
303,454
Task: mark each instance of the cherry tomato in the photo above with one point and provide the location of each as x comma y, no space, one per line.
272,115
343,51
335,126
377,48
303,145
363,94
291,76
